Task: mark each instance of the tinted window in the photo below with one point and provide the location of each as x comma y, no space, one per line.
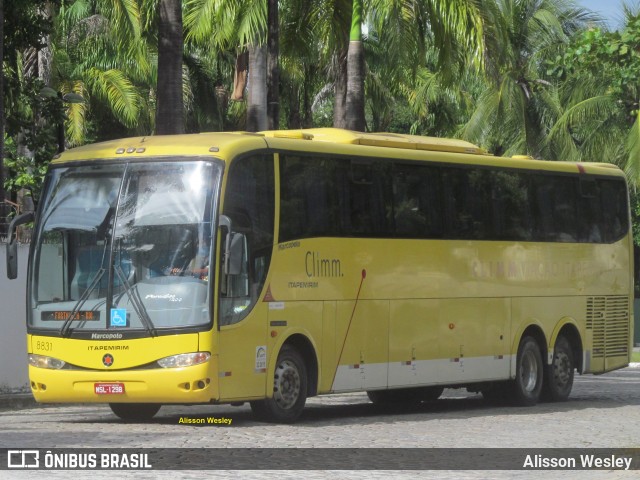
511,207
417,201
555,209
615,209
334,197
467,203
309,193
386,198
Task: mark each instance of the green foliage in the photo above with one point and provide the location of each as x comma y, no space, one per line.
32,139
613,57
599,93
25,174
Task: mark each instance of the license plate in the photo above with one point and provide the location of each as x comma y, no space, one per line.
108,388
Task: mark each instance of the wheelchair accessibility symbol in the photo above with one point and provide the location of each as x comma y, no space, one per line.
118,317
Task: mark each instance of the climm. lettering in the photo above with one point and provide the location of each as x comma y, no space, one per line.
317,266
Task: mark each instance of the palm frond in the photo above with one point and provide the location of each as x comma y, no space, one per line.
113,87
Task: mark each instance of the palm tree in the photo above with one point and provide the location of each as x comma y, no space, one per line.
298,53
99,54
170,110
599,118
355,72
273,69
257,93
224,24
455,27
514,113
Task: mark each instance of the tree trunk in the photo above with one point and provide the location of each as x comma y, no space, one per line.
257,94
293,120
355,73
45,55
170,108
340,100
273,70
240,76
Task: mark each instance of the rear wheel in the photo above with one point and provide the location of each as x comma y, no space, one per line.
558,380
135,411
526,388
289,389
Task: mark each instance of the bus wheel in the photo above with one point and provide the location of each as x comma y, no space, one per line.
558,380
135,411
289,389
527,385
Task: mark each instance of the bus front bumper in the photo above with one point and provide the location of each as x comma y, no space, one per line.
187,385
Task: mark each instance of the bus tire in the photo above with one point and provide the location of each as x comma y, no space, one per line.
558,380
289,389
527,386
135,411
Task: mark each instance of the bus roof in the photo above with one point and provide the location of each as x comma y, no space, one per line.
222,145
389,140
227,145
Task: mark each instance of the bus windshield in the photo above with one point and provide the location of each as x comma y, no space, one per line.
125,247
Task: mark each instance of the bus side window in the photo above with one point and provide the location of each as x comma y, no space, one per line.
555,208
511,207
468,203
417,202
614,207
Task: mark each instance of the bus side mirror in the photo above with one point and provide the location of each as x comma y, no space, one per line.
12,245
236,254
234,248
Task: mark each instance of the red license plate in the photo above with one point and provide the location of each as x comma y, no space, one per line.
108,388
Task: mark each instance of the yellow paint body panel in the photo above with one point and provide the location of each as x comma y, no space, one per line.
150,384
378,312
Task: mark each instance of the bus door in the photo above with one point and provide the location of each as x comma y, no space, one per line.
248,210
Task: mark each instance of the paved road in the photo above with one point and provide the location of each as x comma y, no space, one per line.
603,412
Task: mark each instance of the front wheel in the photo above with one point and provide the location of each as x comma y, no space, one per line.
526,388
135,411
289,389
558,380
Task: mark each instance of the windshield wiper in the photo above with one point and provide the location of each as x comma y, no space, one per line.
65,330
66,326
136,301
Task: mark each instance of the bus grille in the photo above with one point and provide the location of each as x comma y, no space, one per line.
608,318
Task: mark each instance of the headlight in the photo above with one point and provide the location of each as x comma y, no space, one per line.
184,360
41,361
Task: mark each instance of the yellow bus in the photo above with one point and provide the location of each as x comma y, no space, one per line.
272,267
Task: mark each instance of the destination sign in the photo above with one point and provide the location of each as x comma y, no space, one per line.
63,315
